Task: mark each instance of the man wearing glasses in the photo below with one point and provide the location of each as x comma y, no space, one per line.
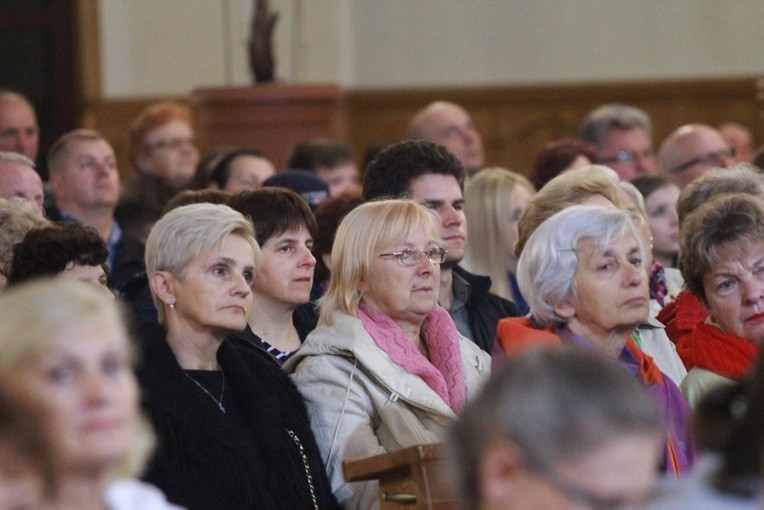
621,135
163,153
691,150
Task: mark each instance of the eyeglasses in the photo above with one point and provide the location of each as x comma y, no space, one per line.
715,158
171,143
411,257
584,496
626,156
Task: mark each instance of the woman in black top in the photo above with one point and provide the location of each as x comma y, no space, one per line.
233,430
284,228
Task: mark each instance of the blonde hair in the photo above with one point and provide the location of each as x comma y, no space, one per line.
36,313
569,188
183,234
487,207
360,235
17,217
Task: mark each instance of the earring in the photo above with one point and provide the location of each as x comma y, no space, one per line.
172,305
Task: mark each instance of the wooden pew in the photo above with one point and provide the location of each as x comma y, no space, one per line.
408,478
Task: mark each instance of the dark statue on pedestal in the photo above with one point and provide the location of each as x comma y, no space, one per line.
261,59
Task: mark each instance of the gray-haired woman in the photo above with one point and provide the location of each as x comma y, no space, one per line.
584,271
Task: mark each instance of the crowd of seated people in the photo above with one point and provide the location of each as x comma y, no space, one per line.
217,332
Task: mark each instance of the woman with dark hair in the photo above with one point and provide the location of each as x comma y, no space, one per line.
66,249
722,261
237,171
284,228
328,217
682,314
560,156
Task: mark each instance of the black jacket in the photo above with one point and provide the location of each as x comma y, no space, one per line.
484,309
207,459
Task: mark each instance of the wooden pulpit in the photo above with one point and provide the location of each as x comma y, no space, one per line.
408,478
268,117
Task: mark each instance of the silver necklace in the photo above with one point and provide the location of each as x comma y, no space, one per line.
219,402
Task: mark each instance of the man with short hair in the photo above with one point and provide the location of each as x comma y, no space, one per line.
431,175
19,131
85,184
691,151
449,125
740,139
330,161
621,135
18,178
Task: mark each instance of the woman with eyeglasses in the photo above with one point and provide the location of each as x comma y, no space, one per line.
386,367
162,150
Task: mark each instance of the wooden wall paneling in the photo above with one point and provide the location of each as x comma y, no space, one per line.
516,121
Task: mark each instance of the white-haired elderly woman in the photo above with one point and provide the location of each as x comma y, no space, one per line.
66,360
386,367
233,429
584,272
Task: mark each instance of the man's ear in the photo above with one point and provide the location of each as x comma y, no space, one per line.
55,179
499,468
163,285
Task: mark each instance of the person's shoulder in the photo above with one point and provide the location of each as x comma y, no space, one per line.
699,382
504,307
481,296
128,494
305,319
517,334
696,491
256,359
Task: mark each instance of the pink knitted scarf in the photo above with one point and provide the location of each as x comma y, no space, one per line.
443,371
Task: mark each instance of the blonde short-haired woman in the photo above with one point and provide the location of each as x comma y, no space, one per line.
233,428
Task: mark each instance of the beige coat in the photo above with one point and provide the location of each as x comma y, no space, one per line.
361,403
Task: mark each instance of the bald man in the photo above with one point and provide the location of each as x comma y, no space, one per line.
449,125
19,131
18,178
691,150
